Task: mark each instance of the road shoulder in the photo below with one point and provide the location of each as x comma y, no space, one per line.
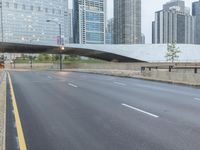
2,112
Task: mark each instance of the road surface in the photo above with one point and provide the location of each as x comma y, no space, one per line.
79,111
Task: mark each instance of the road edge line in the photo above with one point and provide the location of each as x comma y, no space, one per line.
20,133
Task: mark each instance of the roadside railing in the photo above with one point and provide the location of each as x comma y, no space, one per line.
171,67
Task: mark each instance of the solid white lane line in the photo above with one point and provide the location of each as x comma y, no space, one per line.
119,83
139,110
73,85
197,99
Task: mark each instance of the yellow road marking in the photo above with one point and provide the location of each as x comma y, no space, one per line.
22,143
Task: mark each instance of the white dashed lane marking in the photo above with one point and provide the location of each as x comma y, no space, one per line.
72,85
139,110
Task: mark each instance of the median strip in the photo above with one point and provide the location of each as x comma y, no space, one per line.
139,110
22,143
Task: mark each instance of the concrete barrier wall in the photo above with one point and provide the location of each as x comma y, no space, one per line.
184,76
28,66
112,66
119,66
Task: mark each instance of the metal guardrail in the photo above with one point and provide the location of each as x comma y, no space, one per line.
171,67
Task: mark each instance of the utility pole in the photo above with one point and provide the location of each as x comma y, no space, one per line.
61,47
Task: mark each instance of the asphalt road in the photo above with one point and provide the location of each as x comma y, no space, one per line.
78,111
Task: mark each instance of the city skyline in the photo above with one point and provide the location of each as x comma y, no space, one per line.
147,10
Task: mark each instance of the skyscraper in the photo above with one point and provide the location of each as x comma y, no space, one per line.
196,13
24,21
109,31
69,26
89,21
173,24
127,21
66,23
143,39
175,4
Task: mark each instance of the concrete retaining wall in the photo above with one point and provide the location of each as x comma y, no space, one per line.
113,66
182,76
34,66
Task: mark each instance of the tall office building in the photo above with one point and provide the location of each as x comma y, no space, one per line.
196,13
127,21
66,23
24,21
175,4
69,26
109,31
143,40
173,24
153,32
89,21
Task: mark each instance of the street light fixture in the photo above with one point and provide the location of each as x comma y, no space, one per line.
60,43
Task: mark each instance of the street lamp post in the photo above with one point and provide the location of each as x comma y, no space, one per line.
14,61
60,43
30,57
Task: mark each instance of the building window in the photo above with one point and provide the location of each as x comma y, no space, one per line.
59,12
23,7
15,5
39,8
46,10
7,4
31,7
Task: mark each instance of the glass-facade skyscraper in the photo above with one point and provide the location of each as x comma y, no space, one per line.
24,21
196,13
109,31
173,24
127,21
89,21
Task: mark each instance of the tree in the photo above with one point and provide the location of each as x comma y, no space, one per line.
44,57
172,52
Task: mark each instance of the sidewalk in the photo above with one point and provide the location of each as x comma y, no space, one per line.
2,111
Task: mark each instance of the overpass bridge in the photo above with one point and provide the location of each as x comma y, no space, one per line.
120,53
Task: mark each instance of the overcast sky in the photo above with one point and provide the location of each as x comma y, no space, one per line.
148,9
